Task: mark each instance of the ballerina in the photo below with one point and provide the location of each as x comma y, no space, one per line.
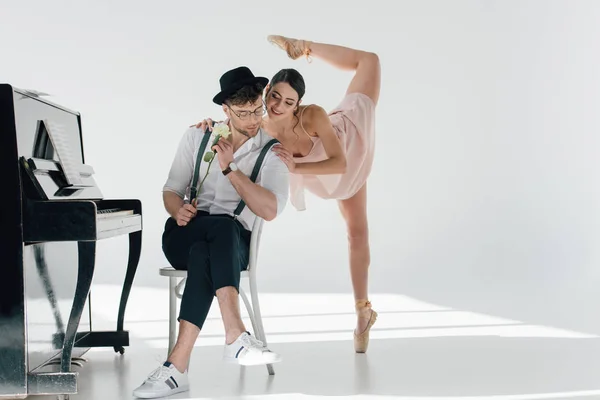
330,154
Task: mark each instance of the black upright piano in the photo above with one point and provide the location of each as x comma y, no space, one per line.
52,212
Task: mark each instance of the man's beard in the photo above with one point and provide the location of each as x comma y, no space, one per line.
242,131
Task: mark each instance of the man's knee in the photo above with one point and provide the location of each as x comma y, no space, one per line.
174,255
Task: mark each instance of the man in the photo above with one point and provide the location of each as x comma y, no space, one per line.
210,235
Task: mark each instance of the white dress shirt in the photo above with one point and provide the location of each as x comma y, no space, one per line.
217,195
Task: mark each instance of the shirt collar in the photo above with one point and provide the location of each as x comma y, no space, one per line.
257,140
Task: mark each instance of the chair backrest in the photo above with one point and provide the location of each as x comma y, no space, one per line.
255,243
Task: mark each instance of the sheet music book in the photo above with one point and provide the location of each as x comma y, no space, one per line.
60,141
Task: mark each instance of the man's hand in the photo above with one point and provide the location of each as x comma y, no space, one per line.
286,156
225,151
186,213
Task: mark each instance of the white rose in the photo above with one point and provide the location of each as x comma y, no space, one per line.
222,130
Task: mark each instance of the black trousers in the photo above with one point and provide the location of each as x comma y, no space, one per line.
214,249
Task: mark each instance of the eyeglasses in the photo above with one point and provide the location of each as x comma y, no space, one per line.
244,114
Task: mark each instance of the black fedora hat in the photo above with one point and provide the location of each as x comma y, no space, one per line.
234,79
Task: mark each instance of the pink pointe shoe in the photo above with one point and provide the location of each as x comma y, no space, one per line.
293,47
361,340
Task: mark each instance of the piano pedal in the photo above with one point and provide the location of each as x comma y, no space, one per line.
78,361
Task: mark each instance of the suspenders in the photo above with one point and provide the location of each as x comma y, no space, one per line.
256,170
193,187
253,176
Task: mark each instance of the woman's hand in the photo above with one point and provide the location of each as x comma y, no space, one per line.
206,123
285,156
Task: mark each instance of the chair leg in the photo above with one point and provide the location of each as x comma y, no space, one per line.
250,311
260,332
172,313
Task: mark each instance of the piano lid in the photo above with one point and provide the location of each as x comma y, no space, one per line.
49,140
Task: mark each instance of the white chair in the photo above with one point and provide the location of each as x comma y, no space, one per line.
248,276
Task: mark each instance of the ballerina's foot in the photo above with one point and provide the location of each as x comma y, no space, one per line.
294,48
366,319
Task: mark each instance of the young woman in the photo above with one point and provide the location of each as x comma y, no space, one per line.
330,154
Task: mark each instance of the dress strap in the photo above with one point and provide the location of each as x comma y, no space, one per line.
301,124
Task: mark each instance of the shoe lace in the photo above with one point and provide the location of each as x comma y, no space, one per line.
160,374
251,341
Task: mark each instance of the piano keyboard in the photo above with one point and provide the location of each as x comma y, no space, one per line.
113,212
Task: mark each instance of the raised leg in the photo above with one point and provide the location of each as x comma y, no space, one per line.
85,273
135,249
354,211
366,80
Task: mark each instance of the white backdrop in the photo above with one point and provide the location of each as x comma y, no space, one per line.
484,193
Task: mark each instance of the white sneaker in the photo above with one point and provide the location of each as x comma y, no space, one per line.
247,350
163,381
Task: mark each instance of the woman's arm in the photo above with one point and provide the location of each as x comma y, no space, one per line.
317,121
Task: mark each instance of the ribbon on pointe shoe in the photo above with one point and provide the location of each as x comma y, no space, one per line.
295,48
362,304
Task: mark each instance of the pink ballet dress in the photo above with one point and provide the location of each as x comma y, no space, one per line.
354,123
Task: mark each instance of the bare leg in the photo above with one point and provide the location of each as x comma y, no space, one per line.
182,351
188,332
230,312
354,211
366,80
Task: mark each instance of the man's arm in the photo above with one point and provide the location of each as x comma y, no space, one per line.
268,196
182,213
261,201
179,177
172,203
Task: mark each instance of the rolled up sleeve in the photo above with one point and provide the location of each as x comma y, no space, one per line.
182,167
274,177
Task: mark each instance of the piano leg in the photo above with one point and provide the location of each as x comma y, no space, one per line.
119,338
135,249
85,273
42,268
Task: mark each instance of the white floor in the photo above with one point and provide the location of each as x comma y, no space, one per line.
418,351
